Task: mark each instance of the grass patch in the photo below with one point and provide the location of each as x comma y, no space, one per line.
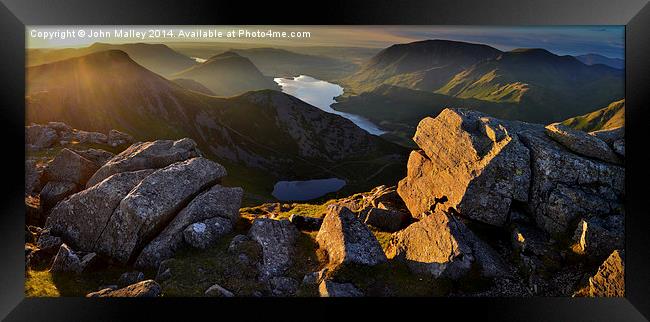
46,284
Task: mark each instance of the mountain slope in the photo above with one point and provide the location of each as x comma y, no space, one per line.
228,74
609,117
158,58
423,65
593,59
275,133
546,86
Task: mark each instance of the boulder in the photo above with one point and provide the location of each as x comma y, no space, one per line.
581,143
33,176
305,222
148,288
59,127
609,280
70,166
33,214
55,191
598,237
117,138
386,219
89,137
470,161
332,289
217,291
567,187
219,201
97,156
361,203
147,155
153,203
40,136
347,240
81,218
206,233
619,147
277,239
66,261
610,135
128,278
440,245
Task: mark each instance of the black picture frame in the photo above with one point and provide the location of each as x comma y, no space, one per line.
16,14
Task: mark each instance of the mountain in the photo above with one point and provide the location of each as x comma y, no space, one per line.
399,109
262,135
193,85
548,87
609,117
228,74
423,65
593,59
284,63
158,58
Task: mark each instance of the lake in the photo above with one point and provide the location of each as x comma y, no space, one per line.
306,190
321,94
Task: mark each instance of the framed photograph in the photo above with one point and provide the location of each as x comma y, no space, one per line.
359,160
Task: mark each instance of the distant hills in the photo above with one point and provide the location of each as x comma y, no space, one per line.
593,59
228,74
275,133
609,117
158,58
399,84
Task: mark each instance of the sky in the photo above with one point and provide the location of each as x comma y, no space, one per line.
562,40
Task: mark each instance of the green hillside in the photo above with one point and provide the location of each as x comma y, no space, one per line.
609,117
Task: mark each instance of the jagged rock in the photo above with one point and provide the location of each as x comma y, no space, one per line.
442,246
33,175
207,232
347,240
277,239
47,242
609,281
66,261
128,278
117,138
363,202
332,289
97,156
598,237
217,291
219,201
70,166
148,288
610,135
567,187
147,155
619,147
305,222
81,218
39,136
386,219
89,137
55,191
581,142
469,160
145,210
283,286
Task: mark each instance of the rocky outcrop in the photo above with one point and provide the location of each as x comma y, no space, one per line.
482,168
218,202
116,138
39,137
347,240
277,239
55,191
598,237
582,143
609,280
442,246
148,288
71,167
362,203
147,155
43,136
153,203
472,161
